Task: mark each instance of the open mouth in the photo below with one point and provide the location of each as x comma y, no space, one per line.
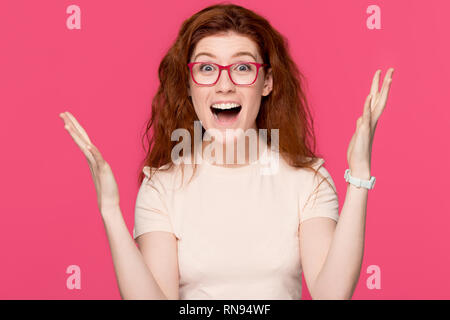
226,115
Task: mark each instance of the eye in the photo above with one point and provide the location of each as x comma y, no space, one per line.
243,67
206,67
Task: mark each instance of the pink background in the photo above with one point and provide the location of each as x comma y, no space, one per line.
106,75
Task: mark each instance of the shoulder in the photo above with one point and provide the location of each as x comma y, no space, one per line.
155,172
318,172
305,177
166,176
304,172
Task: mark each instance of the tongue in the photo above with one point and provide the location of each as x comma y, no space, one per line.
227,115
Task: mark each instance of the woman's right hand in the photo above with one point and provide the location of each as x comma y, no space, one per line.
105,184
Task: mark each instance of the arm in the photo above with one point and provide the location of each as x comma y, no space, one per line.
332,254
134,278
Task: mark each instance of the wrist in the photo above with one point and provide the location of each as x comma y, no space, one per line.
360,179
109,212
360,174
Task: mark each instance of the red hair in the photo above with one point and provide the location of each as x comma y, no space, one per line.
285,108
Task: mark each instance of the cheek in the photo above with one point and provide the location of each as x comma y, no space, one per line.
198,110
199,104
255,111
255,102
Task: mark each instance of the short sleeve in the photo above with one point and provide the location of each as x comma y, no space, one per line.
321,199
151,212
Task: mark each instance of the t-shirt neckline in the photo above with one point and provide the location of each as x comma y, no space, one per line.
229,171
220,169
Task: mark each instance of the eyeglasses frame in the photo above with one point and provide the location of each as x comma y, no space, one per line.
258,66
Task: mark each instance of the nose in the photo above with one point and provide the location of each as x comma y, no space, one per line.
224,83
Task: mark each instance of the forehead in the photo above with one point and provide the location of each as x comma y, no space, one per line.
224,47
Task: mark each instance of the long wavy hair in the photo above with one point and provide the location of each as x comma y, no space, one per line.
285,108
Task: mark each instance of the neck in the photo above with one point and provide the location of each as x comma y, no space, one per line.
236,152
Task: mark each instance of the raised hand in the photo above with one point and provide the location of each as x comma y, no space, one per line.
105,183
360,148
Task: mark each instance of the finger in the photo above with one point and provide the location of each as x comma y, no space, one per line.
358,122
70,124
78,126
374,88
80,142
367,110
385,90
94,177
97,155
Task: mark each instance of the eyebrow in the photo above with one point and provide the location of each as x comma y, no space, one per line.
237,54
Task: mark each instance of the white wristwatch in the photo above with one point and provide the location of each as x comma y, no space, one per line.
368,184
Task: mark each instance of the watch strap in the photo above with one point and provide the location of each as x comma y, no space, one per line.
368,184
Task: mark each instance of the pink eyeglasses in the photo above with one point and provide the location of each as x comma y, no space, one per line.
240,73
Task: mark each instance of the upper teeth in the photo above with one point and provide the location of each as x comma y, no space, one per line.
225,105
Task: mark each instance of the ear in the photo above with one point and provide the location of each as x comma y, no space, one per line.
268,83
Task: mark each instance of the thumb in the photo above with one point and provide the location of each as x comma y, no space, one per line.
367,113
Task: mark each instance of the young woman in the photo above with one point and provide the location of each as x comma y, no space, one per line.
221,229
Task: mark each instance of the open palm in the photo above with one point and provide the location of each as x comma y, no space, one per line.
105,183
360,147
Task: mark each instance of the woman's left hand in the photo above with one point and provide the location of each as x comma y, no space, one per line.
360,149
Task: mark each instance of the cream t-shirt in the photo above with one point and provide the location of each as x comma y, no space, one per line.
236,229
